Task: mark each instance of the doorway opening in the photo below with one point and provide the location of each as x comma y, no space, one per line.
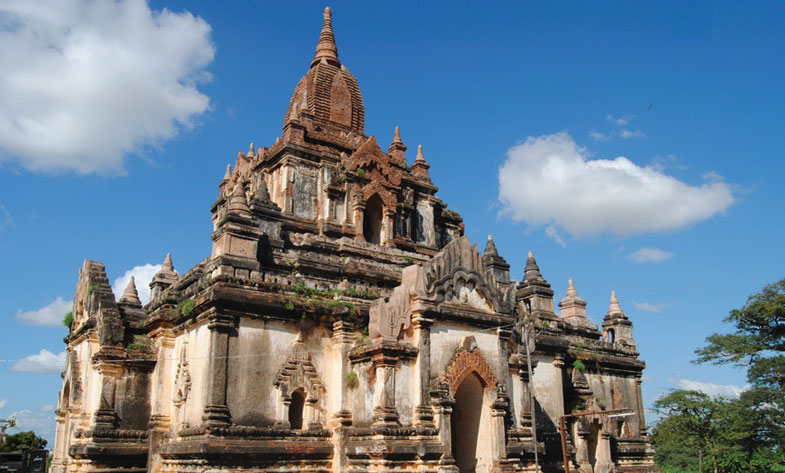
372,220
465,423
296,410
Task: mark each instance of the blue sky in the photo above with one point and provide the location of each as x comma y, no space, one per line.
117,122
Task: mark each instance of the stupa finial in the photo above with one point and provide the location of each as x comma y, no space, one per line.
326,49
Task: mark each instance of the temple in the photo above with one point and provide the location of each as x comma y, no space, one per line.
344,323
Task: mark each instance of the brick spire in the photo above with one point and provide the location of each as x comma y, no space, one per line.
130,296
532,271
490,247
326,49
168,266
615,308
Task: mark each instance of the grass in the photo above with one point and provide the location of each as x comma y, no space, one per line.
326,298
141,343
578,365
91,289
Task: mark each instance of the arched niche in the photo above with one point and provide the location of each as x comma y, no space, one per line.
296,409
373,216
300,392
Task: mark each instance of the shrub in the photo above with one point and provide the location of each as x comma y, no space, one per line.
68,320
187,306
578,365
351,379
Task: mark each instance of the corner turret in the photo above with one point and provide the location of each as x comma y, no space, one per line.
616,327
164,278
495,263
534,292
573,308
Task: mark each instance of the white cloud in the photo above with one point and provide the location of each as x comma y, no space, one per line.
85,82
44,362
549,180
6,220
621,121
647,307
599,136
730,391
3,403
650,255
39,420
50,315
554,235
142,277
627,134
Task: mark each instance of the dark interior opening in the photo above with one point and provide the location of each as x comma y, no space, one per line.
465,423
372,219
296,410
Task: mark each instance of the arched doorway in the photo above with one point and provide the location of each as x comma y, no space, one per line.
296,409
372,219
465,423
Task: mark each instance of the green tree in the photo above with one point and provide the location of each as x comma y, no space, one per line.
674,451
23,441
745,435
759,341
758,344
689,418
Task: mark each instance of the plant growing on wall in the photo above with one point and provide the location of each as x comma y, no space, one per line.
351,379
187,307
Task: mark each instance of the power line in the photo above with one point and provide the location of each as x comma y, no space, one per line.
250,355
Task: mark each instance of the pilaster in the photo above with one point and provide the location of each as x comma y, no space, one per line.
107,363
384,411
639,395
343,339
422,333
443,409
216,412
160,418
358,206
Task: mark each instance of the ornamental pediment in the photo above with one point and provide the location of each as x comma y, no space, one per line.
376,165
455,277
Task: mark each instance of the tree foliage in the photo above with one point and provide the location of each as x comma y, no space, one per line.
759,341
697,433
23,441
